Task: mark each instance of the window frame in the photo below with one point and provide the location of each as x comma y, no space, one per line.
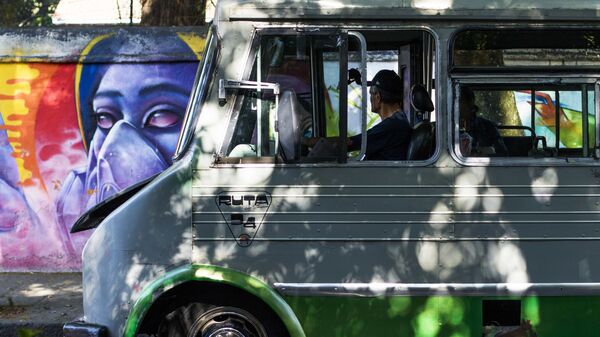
535,79
260,31
465,70
234,112
205,75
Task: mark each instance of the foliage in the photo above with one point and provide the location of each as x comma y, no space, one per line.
25,332
22,13
173,12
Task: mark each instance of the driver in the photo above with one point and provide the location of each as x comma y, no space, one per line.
389,139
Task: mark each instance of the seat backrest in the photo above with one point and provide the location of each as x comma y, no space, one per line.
422,139
289,117
519,146
420,101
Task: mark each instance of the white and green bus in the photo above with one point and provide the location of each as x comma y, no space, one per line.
252,233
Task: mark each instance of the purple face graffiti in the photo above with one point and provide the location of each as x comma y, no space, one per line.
131,114
138,110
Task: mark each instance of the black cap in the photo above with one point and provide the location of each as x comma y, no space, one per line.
387,81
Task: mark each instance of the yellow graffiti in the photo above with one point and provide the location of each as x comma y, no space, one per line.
16,146
13,134
24,174
194,41
15,82
14,79
13,107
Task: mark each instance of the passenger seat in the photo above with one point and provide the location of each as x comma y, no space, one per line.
422,140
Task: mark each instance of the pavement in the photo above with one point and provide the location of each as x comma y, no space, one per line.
36,304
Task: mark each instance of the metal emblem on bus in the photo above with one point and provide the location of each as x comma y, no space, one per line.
243,212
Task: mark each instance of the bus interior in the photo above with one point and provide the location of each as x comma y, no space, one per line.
321,94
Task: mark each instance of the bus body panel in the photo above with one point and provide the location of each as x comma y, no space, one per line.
422,246
147,236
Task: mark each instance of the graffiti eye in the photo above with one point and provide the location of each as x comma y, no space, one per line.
105,121
162,119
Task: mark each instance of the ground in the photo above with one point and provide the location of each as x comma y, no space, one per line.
38,304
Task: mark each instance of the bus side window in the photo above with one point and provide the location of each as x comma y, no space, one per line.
303,123
270,127
526,121
410,54
540,101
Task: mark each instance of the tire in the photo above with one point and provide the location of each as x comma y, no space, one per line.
211,320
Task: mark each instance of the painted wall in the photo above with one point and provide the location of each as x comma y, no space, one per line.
84,113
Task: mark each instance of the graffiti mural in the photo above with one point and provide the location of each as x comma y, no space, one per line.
79,127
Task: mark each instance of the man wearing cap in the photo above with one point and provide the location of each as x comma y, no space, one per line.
389,139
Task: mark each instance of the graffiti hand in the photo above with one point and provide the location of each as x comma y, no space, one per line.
8,166
14,209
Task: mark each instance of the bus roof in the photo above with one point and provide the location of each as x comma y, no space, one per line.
293,10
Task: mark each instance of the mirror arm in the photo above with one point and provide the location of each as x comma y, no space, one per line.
225,84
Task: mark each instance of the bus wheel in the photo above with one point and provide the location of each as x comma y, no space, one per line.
199,320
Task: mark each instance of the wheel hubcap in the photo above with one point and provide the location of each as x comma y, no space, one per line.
227,332
227,322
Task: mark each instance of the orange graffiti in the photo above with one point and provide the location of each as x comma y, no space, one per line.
21,87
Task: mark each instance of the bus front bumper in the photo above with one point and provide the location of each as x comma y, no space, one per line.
83,329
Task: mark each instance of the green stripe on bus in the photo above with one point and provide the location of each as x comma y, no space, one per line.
439,316
215,274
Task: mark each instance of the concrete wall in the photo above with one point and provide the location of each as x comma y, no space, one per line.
84,113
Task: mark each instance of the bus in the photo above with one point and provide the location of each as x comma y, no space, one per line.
254,233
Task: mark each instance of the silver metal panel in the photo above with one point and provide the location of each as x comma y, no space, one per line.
386,9
392,223
523,261
428,289
323,203
314,261
143,238
457,225
500,202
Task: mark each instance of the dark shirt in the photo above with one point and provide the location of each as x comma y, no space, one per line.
387,140
485,134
